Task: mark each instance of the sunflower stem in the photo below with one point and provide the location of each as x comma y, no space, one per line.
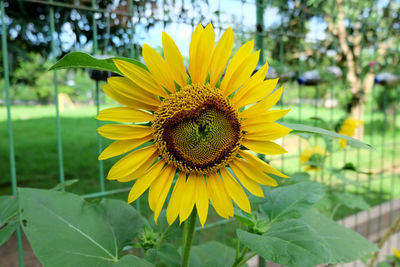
187,237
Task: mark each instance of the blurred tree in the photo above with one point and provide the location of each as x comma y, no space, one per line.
366,34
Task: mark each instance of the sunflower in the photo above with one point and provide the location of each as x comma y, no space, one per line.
348,128
396,253
313,158
195,128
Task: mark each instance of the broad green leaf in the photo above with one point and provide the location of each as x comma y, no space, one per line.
291,201
123,218
351,201
131,260
213,254
166,254
83,60
308,241
301,128
9,220
344,245
62,227
300,177
290,243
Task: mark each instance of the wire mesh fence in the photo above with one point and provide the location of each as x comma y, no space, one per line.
314,99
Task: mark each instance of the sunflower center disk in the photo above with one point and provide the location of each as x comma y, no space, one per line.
197,129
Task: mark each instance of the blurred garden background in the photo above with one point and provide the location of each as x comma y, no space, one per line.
336,59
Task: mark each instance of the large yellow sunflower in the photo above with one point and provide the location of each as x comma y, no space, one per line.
196,128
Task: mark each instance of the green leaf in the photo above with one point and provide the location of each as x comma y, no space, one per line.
343,244
351,201
213,254
62,227
83,60
300,177
166,254
291,201
124,220
9,220
290,243
244,218
301,128
131,260
308,241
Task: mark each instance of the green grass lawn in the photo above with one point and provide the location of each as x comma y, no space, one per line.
38,166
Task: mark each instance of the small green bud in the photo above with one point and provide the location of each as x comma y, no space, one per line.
148,239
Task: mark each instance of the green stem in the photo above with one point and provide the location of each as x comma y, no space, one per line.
187,237
239,259
393,229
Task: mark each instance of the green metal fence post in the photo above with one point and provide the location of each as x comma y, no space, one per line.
99,138
260,29
58,122
13,170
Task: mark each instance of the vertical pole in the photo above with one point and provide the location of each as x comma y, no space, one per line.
99,139
13,171
58,122
260,28
132,31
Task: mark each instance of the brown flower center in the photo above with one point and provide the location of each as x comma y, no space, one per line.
197,129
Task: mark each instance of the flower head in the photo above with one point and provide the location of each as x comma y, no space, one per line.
348,128
195,128
313,158
396,253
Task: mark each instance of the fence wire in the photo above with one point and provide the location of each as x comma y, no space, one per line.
380,176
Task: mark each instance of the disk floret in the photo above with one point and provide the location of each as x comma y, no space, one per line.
197,129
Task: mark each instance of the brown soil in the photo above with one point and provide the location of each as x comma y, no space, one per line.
9,254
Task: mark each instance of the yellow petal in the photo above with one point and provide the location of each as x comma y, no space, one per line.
160,190
235,191
253,81
188,198
141,77
158,67
201,199
260,164
263,105
156,188
265,131
257,93
125,87
218,196
124,114
269,116
176,198
120,147
132,162
264,147
141,171
221,56
249,184
243,52
252,173
201,55
122,99
174,60
144,182
124,132
242,73
194,43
